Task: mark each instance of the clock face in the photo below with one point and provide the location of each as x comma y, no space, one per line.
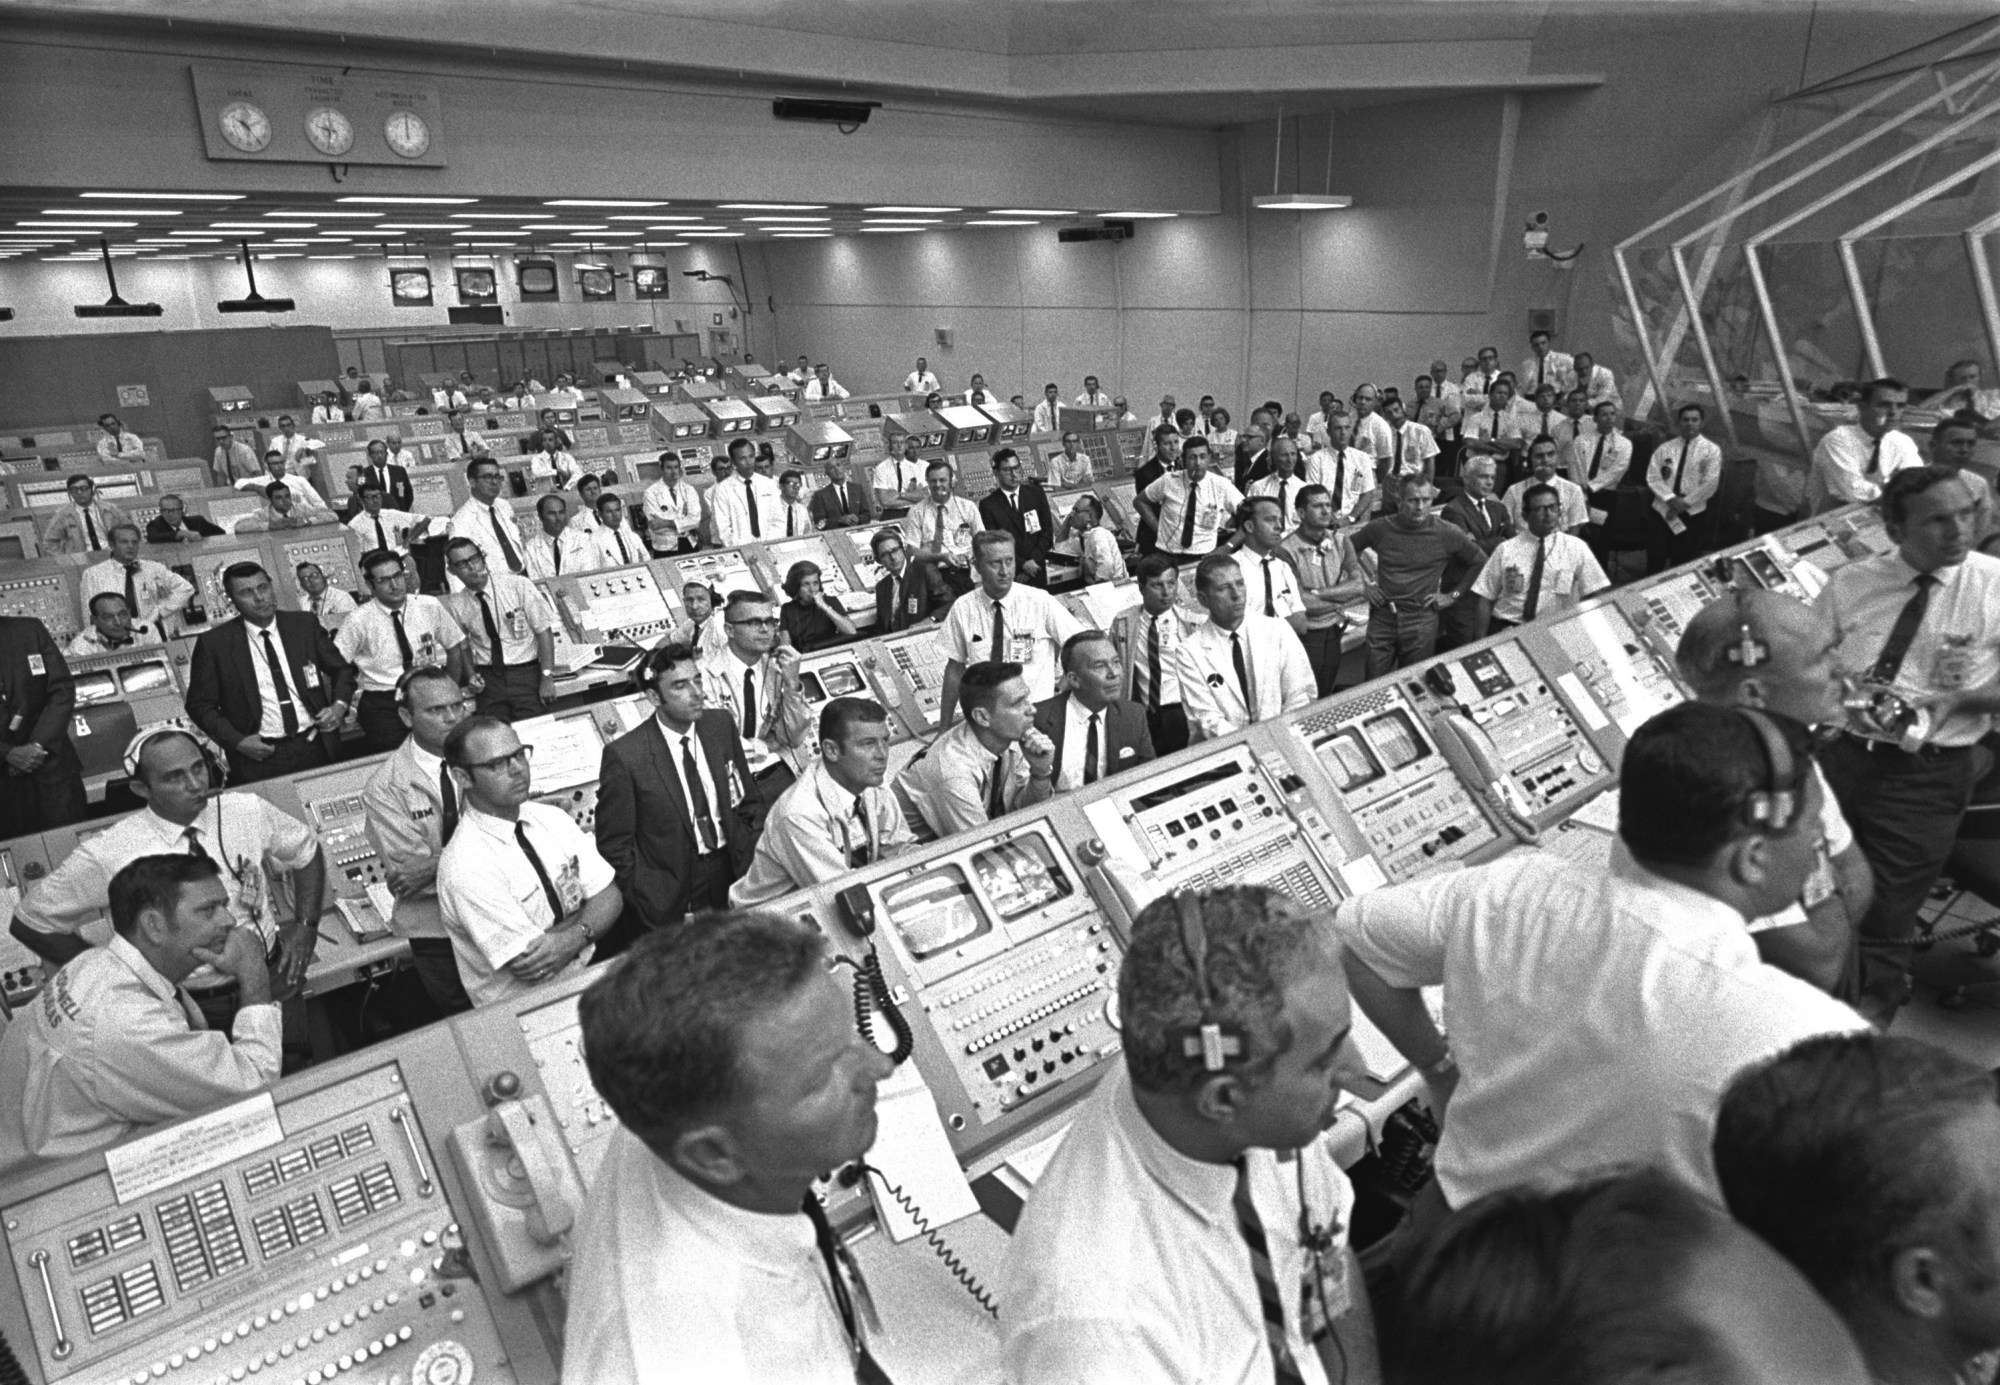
407,134
330,132
245,126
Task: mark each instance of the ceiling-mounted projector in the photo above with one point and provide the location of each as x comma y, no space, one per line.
115,306
254,302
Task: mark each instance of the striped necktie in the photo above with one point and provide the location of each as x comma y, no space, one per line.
1284,1370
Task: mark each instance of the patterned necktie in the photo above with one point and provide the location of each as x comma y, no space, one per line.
195,848
286,710
1284,1370
1534,600
750,497
698,795
1090,750
541,871
1904,633
507,548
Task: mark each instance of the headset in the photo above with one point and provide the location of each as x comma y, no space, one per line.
1774,807
1215,1043
1748,651
218,766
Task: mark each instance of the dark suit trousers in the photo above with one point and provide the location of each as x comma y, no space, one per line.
1168,727
52,796
288,756
708,885
1323,653
512,692
381,724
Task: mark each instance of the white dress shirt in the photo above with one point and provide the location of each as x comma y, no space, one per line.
1556,368
577,550
304,495
1419,447
520,612
110,1046
832,389
1128,1264
813,835
1601,385
920,382
493,903
682,745
1611,459
1596,1015
618,546
671,1283
1281,677
476,521
1086,400
126,447
1698,466
1575,500
1569,574
722,674
1370,433
243,832
163,593
1957,646
1269,583
557,463
404,458
1067,472
729,501
1133,630
390,529
1076,735
1048,417
333,606
1348,473
1841,474
327,413
1036,626
368,640
671,513
1215,499
1485,426
403,801
897,475
271,725
947,785
88,641
957,519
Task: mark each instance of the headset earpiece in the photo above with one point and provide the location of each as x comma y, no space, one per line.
1748,651
1215,1043
1774,807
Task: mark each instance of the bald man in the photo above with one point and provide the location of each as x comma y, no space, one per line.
1766,650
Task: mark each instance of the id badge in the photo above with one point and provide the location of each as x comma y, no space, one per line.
517,624
1513,581
569,886
1023,647
1031,522
911,605
37,667
1324,1292
1951,670
310,674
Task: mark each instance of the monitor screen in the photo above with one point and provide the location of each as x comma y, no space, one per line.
1348,758
1395,739
538,277
935,912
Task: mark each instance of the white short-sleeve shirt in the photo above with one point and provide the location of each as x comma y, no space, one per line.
493,903
368,640
1035,624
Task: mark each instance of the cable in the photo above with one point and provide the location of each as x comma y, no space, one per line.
967,1280
872,999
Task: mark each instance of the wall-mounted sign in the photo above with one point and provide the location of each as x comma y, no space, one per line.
291,113
410,288
133,397
717,317
477,284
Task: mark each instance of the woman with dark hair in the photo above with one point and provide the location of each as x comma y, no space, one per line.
810,621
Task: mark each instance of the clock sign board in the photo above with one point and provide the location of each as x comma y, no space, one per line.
292,113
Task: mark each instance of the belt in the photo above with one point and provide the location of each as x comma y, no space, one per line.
1922,752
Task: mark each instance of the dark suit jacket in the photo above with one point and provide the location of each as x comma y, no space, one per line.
1129,743
222,681
996,513
158,532
34,706
401,496
924,595
861,508
1497,529
637,784
1150,470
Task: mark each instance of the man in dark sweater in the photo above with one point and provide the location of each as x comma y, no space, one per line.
1411,548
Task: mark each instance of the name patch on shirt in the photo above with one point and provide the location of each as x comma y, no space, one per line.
1951,670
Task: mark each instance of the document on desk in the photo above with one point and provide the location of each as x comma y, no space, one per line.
912,1153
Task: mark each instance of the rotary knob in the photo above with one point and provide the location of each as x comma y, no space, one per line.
442,1363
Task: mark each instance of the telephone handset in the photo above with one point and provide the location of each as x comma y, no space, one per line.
1471,752
526,1190
856,907
886,686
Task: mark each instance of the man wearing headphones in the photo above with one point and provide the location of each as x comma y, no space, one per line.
1597,1015
1193,1226
179,773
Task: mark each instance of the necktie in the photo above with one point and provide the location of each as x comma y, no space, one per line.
861,855
381,536
1153,666
402,639
1189,490
90,524
506,544
1875,458
1340,481
1681,469
938,538
283,689
195,848
493,657
448,798
1270,596
1284,496
999,654
541,871
132,590
698,796
996,788
839,499
1541,371
791,520
1597,457
1534,599
555,551
1396,466
624,553
1284,1371
1090,751
839,1268
749,704
1242,673
1904,633
750,498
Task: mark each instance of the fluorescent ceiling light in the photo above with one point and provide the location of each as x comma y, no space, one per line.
80,225
111,211
288,255
487,231
192,238
938,210
498,244
696,230
263,225
1302,202
993,221
801,235
711,235
165,196
1025,211
419,226
788,218
288,242
773,206
660,216
413,201
669,245
901,221
620,235
333,257
574,226
319,212
1138,216
600,202
890,230
499,216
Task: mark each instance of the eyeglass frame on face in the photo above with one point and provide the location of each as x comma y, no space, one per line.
768,622
524,752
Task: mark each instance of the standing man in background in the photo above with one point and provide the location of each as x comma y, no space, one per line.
392,478
920,380
1329,579
840,503
909,593
510,635
1852,461
756,681
746,507
1544,368
488,520
390,635
1684,474
1543,572
1188,509
1149,637
153,592
1238,667
1020,508
938,529
1000,621
560,547
234,460
43,785
1411,548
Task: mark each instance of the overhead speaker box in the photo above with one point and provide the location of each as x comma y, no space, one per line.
118,307
1110,230
846,113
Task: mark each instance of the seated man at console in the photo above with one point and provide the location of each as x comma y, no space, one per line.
1597,1015
279,513
838,816
175,525
1867,1161
1193,1225
989,763
1624,1277
111,628
113,1043
1238,666
522,890
730,1058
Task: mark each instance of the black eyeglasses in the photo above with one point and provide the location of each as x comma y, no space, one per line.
524,753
